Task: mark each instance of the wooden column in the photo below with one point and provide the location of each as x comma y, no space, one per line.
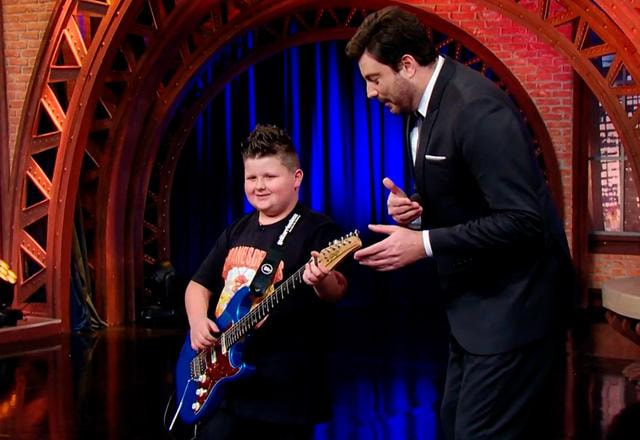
4,148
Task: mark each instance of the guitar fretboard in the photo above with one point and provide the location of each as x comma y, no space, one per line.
234,333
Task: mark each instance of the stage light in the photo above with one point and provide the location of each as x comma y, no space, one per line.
8,279
161,285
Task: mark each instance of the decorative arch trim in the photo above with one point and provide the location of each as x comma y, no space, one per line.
75,108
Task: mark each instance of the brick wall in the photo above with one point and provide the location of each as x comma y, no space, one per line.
25,22
547,77
545,74
602,267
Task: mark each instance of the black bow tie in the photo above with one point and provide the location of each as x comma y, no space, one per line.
415,119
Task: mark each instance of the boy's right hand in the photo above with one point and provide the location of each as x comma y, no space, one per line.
400,207
202,332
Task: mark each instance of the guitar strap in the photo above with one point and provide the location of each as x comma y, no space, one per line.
268,268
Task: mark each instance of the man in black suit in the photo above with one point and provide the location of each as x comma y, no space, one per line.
483,211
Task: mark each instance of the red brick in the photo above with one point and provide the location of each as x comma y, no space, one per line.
24,26
544,73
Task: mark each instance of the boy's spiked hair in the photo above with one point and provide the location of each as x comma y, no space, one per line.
269,140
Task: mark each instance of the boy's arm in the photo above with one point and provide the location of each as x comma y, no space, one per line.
329,285
196,302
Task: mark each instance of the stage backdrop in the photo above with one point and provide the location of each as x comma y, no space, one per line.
389,334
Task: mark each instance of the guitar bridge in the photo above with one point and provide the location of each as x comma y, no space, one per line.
200,363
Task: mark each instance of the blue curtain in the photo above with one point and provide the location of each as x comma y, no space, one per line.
389,334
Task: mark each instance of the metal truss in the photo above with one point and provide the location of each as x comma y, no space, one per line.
115,93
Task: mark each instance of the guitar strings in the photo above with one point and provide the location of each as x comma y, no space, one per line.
248,321
244,324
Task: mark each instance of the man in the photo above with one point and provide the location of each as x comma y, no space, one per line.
485,216
287,393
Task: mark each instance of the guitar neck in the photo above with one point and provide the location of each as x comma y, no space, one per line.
234,333
329,256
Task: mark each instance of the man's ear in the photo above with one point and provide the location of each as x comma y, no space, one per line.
408,65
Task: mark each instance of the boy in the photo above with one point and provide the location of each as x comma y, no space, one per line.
288,392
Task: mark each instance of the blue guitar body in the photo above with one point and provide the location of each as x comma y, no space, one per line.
210,370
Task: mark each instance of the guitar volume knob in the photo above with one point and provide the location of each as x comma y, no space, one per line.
201,392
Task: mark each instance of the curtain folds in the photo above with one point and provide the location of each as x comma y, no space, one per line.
389,337
346,143
84,316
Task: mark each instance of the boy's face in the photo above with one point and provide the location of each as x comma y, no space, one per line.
271,187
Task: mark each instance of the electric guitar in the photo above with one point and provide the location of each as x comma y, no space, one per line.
201,376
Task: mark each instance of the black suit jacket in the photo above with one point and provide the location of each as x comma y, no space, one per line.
498,242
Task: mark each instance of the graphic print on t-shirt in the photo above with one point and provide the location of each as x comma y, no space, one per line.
239,269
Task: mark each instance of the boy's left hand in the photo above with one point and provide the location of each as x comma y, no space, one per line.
314,272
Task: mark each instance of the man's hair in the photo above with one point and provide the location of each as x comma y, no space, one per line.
390,33
269,140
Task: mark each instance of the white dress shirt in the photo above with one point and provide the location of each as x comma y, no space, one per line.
415,133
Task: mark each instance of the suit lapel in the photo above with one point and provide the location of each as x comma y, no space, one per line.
432,113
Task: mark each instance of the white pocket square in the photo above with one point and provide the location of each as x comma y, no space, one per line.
435,158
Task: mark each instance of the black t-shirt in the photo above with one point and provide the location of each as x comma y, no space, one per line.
288,350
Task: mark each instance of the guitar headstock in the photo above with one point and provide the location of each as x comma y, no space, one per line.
339,249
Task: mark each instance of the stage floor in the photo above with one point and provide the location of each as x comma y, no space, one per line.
114,384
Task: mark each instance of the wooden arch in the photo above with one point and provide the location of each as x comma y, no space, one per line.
168,132
106,85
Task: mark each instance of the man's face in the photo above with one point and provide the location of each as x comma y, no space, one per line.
270,186
391,88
